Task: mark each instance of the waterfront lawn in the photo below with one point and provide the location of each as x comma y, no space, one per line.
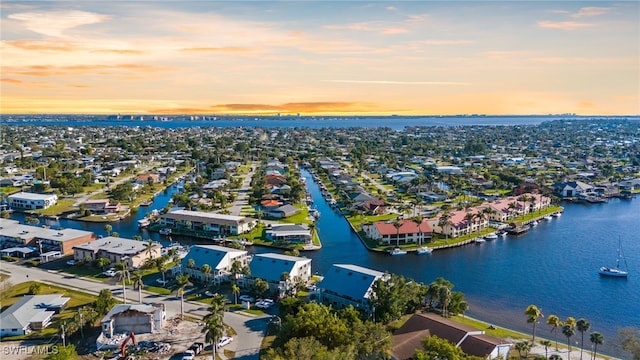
63,206
77,299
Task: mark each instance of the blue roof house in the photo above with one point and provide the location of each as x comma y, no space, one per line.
346,284
271,267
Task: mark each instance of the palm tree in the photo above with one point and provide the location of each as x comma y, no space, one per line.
108,229
182,280
596,339
236,269
397,224
555,357
512,206
555,323
148,247
162,267
123,274
137,282
468,217
533,313
568,331
213,331
523,347
582,325
235,289
418,220
206,270
444,295
546,344
443,222
191,264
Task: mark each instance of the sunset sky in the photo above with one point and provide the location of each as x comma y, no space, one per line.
320,57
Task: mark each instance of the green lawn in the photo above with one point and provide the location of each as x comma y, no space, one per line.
63,205
78,299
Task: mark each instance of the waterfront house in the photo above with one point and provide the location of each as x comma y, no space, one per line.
570,188
289,233
133,252
32,201
31,313
346,284
460,222
217,224
219,259
409,232
102,206
46,240
282,212
271,267
408,338
136,318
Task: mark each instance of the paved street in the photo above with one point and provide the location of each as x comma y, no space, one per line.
250,329
242,198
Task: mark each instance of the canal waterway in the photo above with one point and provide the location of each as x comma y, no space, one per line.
554,266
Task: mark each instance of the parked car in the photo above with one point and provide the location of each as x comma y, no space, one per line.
188,355
110,273
161,282
197,347
247,298
226,340
264,303
210,293
71,262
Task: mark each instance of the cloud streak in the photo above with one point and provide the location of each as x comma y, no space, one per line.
564,25
393,82
55,23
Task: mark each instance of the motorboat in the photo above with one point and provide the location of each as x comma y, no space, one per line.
165,231
424,250
557,214
548,218
491,236
397,252
534,223
479,240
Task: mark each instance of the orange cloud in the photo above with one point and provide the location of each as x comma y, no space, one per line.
41,45
591,11
303,107
120,51
12,81
563,25
227,49
47,70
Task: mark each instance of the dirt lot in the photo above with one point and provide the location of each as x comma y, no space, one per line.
179,334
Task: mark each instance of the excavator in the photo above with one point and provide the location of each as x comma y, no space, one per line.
123,347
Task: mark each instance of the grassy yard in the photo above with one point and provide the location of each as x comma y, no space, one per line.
78,299
63,205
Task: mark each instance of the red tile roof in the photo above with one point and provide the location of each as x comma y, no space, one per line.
407,227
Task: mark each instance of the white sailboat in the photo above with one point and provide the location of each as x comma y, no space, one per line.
616,271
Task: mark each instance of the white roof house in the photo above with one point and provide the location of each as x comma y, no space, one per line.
32,201
210,222
31,313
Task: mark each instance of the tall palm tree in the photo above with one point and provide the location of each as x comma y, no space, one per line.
397,224
162,267
568,331
555,323
443,222
137,282
206,270
533,314
213,330
546,344
469,217
236,270
122,272
182,280
596,339
148,248
418,220
191,264
235,289
523,347
582,325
